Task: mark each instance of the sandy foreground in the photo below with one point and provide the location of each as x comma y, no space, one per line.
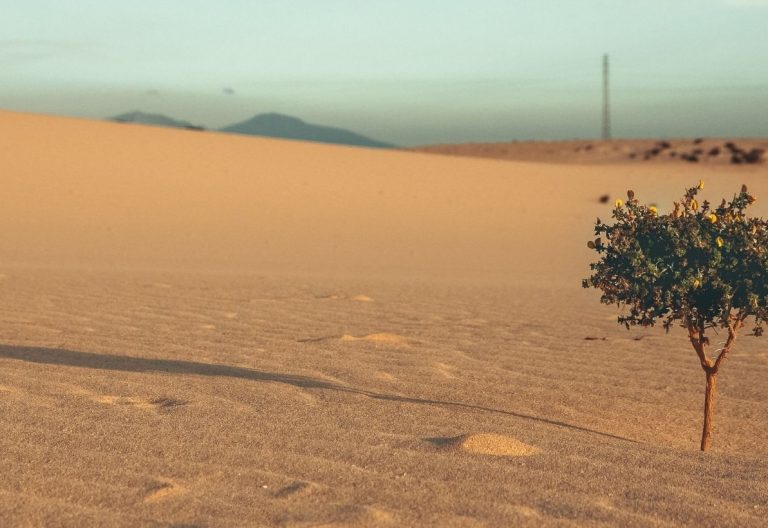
202,330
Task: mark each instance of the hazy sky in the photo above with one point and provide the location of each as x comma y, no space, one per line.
404,71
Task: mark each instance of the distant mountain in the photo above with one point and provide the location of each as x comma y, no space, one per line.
153,119
287,127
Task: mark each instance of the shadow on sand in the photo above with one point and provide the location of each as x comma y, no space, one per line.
71,358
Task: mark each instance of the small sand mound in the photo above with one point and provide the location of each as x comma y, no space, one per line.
295,488
163,489
383,337
362,298
487,444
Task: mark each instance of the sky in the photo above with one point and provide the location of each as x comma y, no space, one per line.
404,71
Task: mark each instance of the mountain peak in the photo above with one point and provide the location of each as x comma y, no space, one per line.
145,118
283,126
270,124
277,117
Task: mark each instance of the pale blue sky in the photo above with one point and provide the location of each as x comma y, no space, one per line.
404,71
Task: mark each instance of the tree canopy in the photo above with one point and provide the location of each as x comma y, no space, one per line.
701,265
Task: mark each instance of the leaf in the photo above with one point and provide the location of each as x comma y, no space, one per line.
630,194
591,245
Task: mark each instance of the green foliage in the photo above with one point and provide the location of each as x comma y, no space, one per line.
703,266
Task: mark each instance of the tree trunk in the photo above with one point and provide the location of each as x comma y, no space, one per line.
709,403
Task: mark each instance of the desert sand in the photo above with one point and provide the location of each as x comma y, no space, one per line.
202,330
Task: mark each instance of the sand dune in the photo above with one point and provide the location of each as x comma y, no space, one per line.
206,330
103,195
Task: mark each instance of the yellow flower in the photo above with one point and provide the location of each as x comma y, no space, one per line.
719,242
712,218
694,204
619,203
696,283
701,185
653,210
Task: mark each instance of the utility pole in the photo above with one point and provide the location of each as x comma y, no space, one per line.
606,101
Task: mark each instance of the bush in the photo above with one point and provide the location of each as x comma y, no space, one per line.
703,267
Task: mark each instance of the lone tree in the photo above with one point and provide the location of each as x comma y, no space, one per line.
703,267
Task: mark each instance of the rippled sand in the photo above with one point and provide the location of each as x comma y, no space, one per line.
205,330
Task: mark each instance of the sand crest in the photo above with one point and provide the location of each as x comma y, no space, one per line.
487,444
362,298
383,337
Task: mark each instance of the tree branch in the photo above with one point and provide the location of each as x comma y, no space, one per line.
734,324
697,340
